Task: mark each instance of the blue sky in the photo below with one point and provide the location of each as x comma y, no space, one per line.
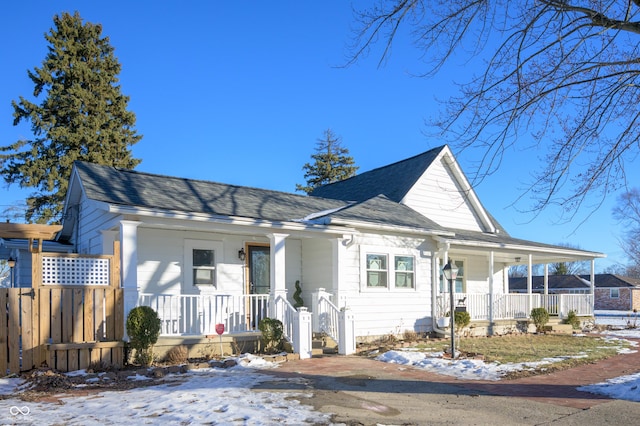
239,92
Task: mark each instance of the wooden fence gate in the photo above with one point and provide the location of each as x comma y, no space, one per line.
72,316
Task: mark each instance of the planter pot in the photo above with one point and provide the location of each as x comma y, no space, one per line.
443,322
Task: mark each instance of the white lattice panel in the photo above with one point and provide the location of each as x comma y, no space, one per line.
75,271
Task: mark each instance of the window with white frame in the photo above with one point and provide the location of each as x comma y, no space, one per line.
204,267
201,262
614,293
404,271
460,283
377,272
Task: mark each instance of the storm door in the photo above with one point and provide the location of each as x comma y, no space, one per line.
259,265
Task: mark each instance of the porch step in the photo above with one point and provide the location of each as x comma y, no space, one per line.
323,345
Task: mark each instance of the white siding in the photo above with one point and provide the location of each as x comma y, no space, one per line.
91,222
388,310
316,268
437,196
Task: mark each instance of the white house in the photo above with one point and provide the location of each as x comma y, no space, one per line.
372,246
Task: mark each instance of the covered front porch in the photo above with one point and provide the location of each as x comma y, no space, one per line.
481,284
486,307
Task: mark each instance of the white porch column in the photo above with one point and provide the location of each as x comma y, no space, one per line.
277,269
546,278
491,292
530,281
593,278
129,264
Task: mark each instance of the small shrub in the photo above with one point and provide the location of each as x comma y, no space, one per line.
143,328
297,296
410,336
177,355
272,333
462,319
540,318
573,320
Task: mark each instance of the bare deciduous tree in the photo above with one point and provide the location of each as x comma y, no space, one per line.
558,76
627,212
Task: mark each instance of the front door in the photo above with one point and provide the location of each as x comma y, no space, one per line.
259,271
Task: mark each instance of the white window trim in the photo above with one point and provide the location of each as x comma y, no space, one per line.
187,273
611,296
445,286
391,253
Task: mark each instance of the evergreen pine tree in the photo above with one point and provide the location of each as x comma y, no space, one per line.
82,115
332,163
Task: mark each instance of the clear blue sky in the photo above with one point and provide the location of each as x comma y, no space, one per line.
238,92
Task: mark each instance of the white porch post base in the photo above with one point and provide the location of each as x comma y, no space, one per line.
302,333
347,332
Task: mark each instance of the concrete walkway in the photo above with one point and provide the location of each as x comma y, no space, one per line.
362,391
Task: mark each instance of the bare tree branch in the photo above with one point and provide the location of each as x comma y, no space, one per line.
561,77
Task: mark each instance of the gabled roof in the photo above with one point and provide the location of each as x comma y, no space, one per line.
558,282
613,281
131,188
393,181
380,210
144,190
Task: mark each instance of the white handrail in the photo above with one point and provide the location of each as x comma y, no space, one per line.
328,318
285,312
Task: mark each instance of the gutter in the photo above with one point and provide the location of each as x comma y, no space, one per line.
227,220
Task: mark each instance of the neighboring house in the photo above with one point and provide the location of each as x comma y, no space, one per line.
612,292
204,253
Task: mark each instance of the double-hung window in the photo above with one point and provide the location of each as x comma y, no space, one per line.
201,261
404,272
377,273
204,267
460,282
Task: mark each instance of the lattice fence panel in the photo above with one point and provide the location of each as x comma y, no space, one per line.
75,271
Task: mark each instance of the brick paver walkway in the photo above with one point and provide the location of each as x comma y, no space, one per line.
557,388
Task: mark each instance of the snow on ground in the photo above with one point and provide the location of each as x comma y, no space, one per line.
225,396
204,396
625,387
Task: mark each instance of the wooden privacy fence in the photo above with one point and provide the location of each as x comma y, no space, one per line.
71,317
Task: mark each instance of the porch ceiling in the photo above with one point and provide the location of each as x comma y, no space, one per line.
520,256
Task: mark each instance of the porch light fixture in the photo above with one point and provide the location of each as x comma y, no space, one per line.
241,254
450,272
12,264
518,259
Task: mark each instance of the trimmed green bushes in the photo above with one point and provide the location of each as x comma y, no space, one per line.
143,328
272,333
540,318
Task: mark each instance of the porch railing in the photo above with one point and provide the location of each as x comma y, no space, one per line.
327,318
183,315
516,305
286,313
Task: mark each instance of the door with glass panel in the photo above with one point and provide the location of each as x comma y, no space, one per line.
259,274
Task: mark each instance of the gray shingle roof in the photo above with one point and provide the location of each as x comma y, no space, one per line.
381,210
138,189
392,181
132,188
